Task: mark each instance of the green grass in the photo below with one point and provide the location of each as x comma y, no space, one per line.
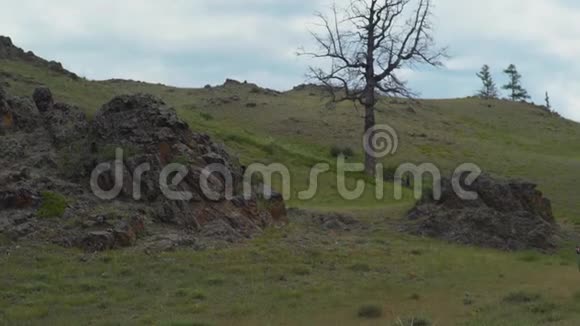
273,280
299,275
53,205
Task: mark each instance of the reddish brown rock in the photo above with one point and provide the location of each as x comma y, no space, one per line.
18,199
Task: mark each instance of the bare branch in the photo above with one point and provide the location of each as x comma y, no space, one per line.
368,42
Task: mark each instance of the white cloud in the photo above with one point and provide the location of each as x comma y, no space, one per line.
545,25
567,97
140,39
464,63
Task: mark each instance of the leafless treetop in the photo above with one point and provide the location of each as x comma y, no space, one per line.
367,42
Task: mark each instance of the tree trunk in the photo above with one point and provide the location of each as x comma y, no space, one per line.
370,160
369,94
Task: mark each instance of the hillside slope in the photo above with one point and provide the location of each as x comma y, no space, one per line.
311,272
504,138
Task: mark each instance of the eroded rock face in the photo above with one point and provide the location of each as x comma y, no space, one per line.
52,147
508,215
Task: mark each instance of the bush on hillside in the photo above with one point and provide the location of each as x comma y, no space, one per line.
336,151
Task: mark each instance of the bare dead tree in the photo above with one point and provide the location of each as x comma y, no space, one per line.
365,45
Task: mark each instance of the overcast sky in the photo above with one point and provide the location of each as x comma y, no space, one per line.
197,42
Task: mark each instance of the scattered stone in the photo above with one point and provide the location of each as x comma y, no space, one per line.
232,82
334,221
127,232
310,87
98,241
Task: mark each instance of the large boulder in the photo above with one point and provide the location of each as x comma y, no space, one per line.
507,215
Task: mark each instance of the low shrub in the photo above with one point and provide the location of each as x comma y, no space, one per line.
206,116
53,205
370,311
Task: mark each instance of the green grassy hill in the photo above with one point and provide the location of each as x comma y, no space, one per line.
504,138
300,275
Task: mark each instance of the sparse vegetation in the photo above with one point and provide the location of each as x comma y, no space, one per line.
520,297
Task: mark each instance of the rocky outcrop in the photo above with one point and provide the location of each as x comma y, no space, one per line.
149,132
507,215
51,147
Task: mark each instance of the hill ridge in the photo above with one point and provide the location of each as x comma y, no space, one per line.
10,51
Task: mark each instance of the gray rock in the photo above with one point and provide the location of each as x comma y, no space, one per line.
98,241
43,99
18,199
508,215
